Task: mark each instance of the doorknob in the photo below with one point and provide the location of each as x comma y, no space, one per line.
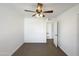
47,33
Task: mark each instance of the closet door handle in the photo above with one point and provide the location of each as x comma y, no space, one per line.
47,33
56,34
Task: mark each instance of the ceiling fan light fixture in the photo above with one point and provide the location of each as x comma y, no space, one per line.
39,15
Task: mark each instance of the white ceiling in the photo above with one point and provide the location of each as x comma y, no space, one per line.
58,8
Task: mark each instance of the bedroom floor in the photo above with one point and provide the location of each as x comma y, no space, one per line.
39,49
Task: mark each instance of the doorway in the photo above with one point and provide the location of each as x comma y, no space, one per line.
52,32
49,30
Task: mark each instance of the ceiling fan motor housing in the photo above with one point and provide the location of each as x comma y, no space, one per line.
39,8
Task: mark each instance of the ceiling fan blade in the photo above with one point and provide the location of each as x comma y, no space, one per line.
33,15
50,11
29,11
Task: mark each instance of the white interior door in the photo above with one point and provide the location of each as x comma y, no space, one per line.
49,30
55,33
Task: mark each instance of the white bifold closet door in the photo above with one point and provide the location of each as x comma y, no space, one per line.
35,30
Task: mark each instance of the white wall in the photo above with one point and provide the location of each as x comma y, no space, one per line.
11,29
67,35
78,32
34,30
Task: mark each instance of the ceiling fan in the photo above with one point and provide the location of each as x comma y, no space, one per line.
39,11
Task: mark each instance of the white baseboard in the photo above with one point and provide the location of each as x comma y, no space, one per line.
62,49
16,49
35,42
